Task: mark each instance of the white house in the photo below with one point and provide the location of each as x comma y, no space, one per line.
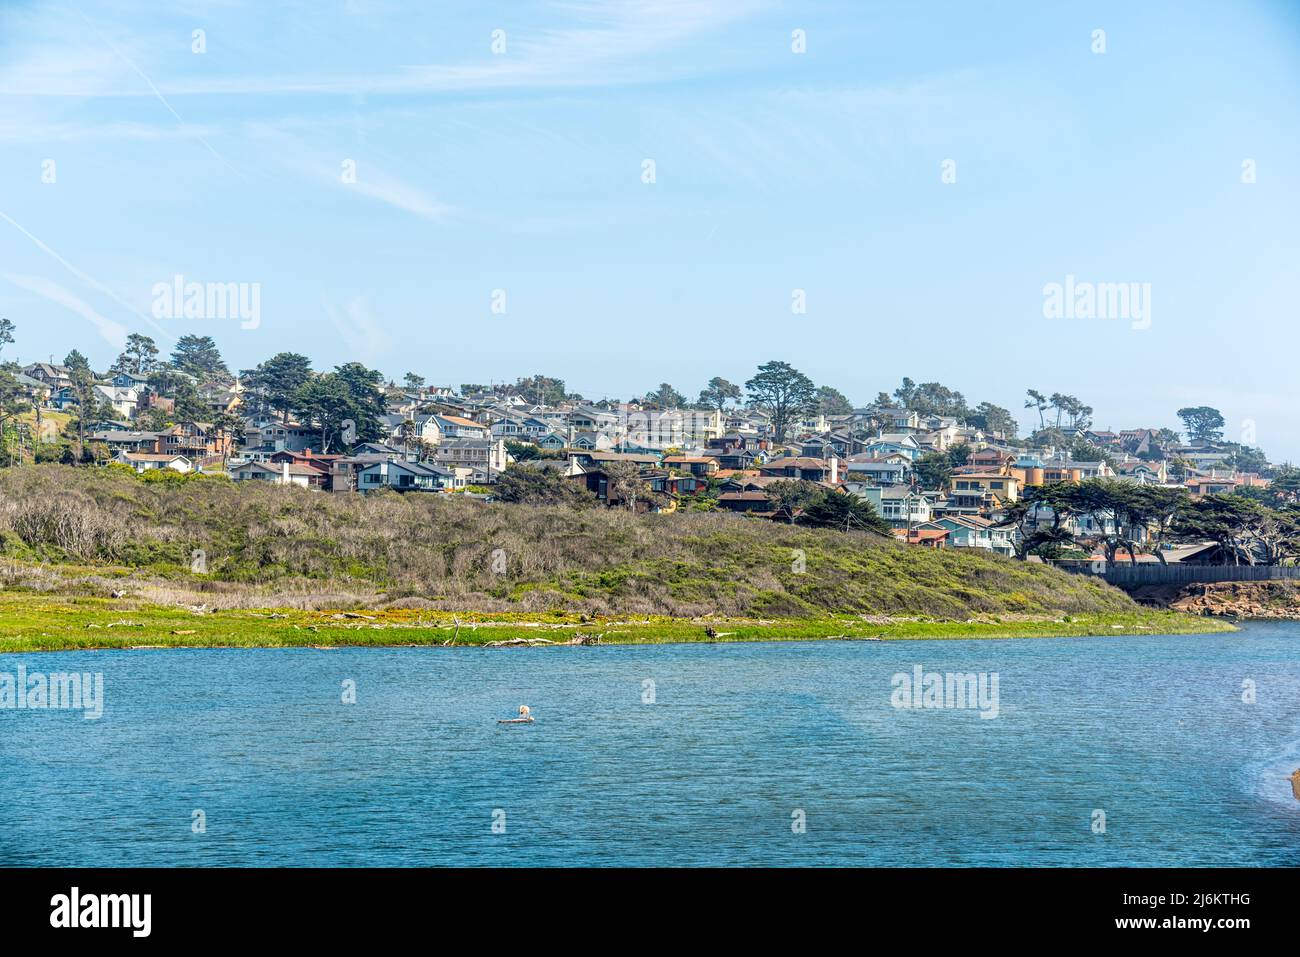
148,461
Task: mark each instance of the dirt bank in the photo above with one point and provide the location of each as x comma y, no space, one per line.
1267,600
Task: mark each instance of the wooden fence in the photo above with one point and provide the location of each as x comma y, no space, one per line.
1122,573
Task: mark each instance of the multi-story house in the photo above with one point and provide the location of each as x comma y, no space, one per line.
488,454
195,440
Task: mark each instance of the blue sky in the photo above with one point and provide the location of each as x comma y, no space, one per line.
521,171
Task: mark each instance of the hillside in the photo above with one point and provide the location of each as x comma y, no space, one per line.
266,546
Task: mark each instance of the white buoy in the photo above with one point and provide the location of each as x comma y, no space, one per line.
525,717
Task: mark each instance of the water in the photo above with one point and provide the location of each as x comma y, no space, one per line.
1151,730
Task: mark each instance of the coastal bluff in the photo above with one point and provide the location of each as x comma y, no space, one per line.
1262,600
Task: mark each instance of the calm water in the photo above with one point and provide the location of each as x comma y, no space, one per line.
1151,730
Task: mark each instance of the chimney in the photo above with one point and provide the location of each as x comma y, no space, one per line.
284,472
835,470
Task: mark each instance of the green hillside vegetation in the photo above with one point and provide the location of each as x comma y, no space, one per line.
255,541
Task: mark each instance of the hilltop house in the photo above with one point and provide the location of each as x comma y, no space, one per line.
872,470
54,377
897,505
195,440
124,440
699,465
972,531
282,473
123,400
148,461
890,443
473,454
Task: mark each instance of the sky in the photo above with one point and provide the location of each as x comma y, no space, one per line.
627,192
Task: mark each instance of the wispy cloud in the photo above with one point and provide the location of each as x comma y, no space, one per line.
603,43
324,165
400,195
359,329
113,333
86,278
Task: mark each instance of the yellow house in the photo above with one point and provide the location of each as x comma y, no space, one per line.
1005,487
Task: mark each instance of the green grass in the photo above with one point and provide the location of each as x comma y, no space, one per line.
32,621
274,557
440,549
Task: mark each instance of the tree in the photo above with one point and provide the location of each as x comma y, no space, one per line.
413,382
1060,498
1084,451
187,404
153,419
934,398
541,390
1034,538
367,401
326,400
847,513
1057,402
1246,459
624,484
529,485
904,393
783,392
1179,468
1167,438
1284,489
1156,507
226,424
83,389
198,356
958,454
279,379
13,402
6,333
1276,534
1202,423
139,356
406,434
1048,437
718,393
1080,415
1039,403
790,496
831,401
994,419
665,397
1118,510
1223,519
932,470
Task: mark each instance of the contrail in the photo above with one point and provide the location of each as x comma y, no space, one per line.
156,92
86,278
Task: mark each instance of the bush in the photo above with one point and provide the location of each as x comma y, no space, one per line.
471,555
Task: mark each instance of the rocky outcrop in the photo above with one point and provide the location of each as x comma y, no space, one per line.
1278,600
